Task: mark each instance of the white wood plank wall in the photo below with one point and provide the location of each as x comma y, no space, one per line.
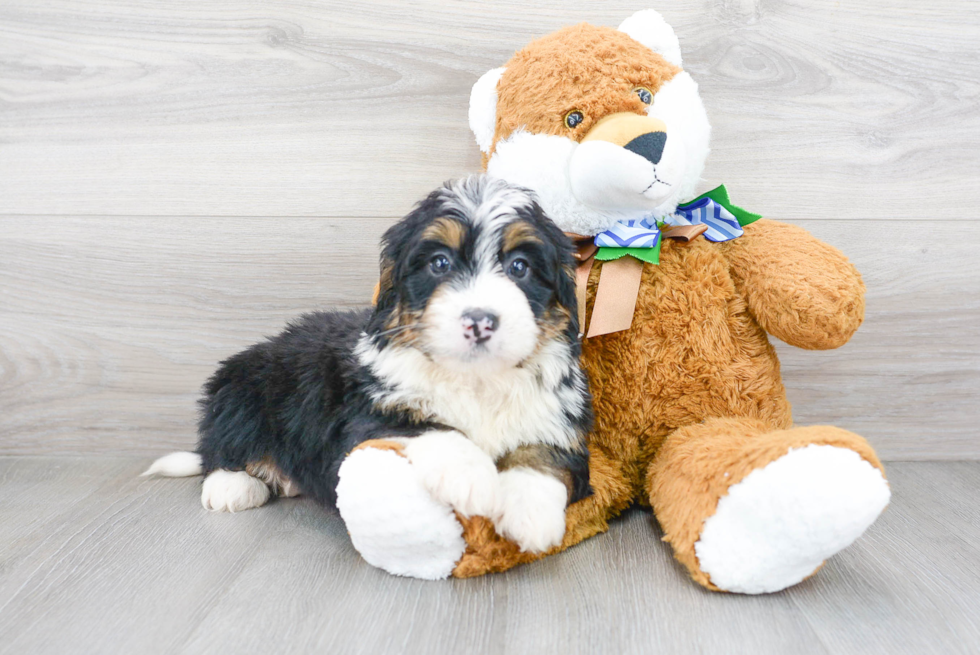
177,179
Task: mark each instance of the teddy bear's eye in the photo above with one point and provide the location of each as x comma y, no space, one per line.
645,95
573,119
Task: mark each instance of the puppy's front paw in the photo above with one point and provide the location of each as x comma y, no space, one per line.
455,471
531,509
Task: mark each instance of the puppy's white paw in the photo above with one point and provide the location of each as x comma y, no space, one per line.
531,509
454,471
393,521
233,491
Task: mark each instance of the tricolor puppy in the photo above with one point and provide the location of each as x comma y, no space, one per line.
470,360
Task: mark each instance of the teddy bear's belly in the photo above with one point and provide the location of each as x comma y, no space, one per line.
693,352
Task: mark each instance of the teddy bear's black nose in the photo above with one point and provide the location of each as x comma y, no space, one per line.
650,146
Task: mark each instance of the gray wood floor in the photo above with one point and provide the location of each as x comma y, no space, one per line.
95,560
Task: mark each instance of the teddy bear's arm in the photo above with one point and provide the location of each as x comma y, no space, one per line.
798,288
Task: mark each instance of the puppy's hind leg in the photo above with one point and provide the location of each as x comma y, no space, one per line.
233,491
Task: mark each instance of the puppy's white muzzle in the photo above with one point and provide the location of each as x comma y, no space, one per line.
485,322
627,162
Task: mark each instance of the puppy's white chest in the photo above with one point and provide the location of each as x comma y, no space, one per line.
498,419
519,406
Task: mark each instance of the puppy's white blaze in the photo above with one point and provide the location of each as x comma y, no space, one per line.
531,509
490,204
454,471
498,411
513,341
233,491
182,464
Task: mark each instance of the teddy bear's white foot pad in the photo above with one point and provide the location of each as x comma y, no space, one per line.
393,521
776,526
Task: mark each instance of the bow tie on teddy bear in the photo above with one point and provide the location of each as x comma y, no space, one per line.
628,244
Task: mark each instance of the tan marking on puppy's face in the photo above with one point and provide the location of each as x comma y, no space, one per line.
404,325
585,68
519,233
446,231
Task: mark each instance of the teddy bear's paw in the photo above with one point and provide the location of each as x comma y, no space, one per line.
455,471
777,526
531,509
393,521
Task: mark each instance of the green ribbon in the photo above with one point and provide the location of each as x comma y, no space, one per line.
720,195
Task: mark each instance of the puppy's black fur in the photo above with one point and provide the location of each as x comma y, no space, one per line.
303,400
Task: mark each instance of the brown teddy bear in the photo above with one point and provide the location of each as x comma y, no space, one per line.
691,414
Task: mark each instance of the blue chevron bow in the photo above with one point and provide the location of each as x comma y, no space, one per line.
641,238
630,234
722,224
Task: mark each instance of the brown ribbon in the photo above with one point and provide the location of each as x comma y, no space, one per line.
619,282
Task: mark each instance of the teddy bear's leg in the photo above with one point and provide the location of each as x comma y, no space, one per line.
752,510
393,521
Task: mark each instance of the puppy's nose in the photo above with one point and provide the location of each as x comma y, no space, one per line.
478,325
650,146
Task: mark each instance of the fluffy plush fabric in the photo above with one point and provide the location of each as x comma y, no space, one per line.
649,28
598,73
700,463
781,521
483,108
612,62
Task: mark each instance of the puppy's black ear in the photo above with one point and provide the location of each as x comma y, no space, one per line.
564,267
395,244
386,296
565,285
386,287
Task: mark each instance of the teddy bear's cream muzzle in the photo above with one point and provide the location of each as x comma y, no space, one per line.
626,162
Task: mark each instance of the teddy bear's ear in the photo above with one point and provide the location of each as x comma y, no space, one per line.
483,108
649,28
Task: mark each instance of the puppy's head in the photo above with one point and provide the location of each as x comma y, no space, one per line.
476,277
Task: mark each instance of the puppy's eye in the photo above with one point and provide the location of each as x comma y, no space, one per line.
518,269
573,119
439,265
646,97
